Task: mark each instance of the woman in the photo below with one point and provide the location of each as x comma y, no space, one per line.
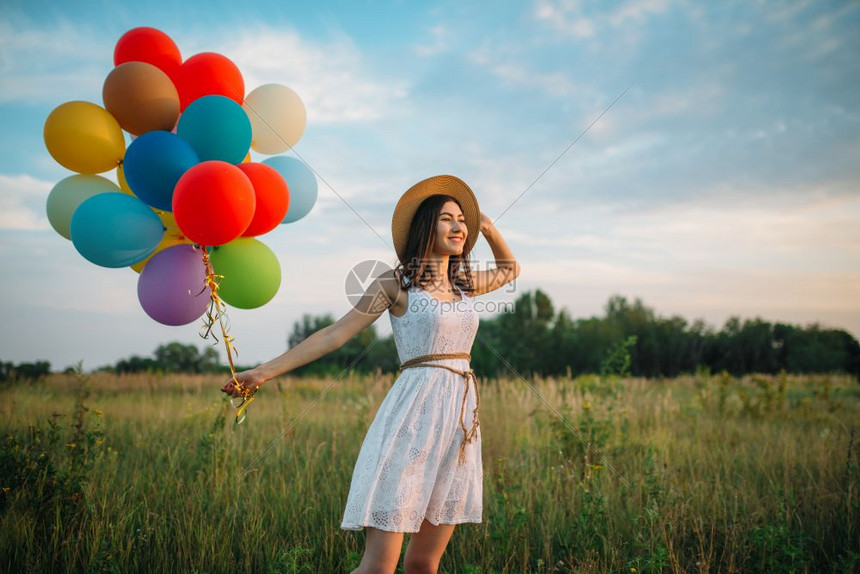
419,469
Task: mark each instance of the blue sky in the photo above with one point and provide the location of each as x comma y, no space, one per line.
724,182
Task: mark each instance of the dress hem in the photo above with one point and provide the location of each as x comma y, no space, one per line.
357,527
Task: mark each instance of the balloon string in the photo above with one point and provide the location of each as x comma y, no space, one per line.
216,313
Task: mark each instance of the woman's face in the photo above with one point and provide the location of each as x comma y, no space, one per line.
451,231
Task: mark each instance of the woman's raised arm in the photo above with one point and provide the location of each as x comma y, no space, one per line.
507,268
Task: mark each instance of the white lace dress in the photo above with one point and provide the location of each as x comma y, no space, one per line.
407,468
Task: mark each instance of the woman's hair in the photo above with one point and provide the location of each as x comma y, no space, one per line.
419,248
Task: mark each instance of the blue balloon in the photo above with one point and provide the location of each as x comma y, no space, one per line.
115,230
153,164
301,182
217,128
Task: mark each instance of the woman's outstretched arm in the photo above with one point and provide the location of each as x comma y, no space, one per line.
324,341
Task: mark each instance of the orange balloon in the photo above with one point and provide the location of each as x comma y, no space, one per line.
213,203
148,45
206,74
273,197
141,97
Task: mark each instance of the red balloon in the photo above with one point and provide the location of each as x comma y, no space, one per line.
273,197
213,203
151,46
209,74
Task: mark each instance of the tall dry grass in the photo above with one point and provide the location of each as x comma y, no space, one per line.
696,474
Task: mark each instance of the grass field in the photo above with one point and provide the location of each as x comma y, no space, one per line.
139,474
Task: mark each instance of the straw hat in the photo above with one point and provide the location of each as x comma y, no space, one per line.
441,185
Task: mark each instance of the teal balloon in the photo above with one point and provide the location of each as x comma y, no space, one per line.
217,128
301,182
251,272
69,193
153,164
115,230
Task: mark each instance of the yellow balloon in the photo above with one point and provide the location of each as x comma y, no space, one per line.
171,237
278,118
84,137
123,184
167,219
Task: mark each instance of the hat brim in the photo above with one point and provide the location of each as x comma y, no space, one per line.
415,195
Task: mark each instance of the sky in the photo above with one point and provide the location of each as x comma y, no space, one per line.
725,180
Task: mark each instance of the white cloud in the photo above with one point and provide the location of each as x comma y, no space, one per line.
335,82
22,202
638,11
515,71
698,98
791,257
813,38
437,44
565,17
814,233
782,258
810,229
554,84
580,272
569,18
784,11
52,65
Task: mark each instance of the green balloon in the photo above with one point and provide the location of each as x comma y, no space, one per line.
67,195
251,272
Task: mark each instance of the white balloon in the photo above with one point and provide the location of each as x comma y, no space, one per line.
68,194
278,118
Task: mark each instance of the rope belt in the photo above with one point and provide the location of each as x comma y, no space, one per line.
468,434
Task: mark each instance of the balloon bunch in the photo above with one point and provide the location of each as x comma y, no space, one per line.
186,182
188,202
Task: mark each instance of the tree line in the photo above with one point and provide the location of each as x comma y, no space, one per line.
537,339
172,357
24,371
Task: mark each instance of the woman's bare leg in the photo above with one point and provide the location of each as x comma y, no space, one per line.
381,552
426,547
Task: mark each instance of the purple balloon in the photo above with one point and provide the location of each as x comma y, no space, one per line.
172,286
